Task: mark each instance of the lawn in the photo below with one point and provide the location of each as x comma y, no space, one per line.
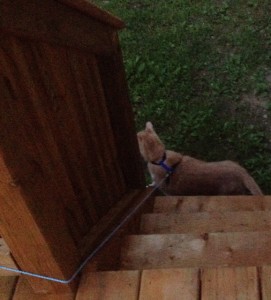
201,72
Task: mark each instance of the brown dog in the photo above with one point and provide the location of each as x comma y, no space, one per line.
190,176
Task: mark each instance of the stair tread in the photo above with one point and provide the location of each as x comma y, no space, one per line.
133,285
110,285
211,203
6,259
178,283
196,250
231,283
7,284
169,284
23,291
202,222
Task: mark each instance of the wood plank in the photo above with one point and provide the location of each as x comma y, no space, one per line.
108,259
56,23
109,285
38,129
81,126
93,116
28,238
265,280
7,286
203,222
169,284
60,117
6,259
211,203
195,250
103,123
31,172
24,291
112,219
62,109
117,101
230,284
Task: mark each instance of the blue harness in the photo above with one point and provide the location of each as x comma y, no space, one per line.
162,164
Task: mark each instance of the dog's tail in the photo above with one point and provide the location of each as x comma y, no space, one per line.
251,185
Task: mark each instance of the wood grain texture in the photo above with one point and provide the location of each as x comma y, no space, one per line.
112,219
109,286
66,133
265,282
7,286
230,284
206,222
61,115
169,284
103,120
117,100
56,23
195,250
211,203
6,259
24,291
31,172
27,238
86,140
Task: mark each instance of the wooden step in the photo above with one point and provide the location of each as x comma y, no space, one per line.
23,291
7,286
109,285
203,222
196,250
233,283
6,259
136,285
246,283
211,203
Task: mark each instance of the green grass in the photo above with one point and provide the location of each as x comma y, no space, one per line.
189,66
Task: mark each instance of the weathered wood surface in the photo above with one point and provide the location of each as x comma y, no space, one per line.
206,222
7,286
86,140
117,99
6,259
27,238
230,284
169,284
55,23
58,143
23,291
112,219
109,286
211,203
68,149
36,195
240,283
196,250
264,275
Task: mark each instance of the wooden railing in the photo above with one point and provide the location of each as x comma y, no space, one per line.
69,159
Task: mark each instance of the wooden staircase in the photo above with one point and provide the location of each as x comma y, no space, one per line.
189,248
209,248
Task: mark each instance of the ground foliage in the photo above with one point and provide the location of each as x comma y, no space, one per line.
200,71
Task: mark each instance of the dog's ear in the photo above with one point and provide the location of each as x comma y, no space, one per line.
139,137
149,126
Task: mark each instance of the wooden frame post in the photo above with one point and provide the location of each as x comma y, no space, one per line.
68,149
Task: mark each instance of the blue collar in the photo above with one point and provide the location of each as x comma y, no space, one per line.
162,164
